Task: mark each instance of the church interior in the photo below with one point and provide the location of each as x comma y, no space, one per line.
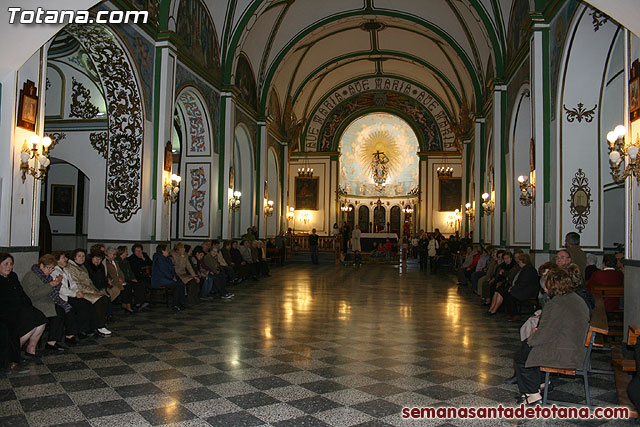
501,126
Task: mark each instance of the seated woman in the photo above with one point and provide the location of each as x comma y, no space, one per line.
507,270
137,287
525,285
25,322
257,253
115,277
43,290
184,271
79,318
238,263
163,274
558,341
97,297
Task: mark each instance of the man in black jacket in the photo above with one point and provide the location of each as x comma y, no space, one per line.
140,264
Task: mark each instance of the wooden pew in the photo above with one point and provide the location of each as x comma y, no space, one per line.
598,328
615,321
622,370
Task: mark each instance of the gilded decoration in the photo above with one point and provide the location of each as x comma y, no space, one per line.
81,105
580,200
100,143
579,113
125,119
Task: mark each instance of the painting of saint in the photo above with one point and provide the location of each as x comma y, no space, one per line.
306,193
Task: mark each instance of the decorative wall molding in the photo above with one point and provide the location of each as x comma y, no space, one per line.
599,19
580,113
100,142
197,203
379,92
56,138
580,200
125,118
81,105
199,142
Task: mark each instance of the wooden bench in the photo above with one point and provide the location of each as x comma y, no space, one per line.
615,317
162,290
598,326
622,370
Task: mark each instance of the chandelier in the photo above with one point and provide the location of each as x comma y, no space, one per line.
346,208
306,170
445,171
619,150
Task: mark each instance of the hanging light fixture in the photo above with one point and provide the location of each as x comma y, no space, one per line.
306,171
445,171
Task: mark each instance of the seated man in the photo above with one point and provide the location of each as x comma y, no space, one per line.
257,255
608,276
140,264
216,275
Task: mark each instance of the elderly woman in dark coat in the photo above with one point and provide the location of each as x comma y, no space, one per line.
559,339
164,274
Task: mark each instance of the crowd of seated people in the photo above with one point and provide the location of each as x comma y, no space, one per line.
67,297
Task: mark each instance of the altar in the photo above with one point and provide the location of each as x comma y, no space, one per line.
369,241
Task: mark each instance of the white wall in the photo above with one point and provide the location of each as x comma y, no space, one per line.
436,218
62,174
320,219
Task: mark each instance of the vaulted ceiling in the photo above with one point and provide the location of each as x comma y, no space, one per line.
306,48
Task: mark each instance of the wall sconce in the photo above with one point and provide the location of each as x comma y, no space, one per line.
488,205
234,200
268,208
40,161
172,188
619,151
469,211
527,189
305,172
290,214
454,219
305,217
346,208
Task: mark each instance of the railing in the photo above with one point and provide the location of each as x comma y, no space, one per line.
325,243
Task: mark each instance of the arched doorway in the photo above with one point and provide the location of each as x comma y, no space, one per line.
351,218
379,219
363,218
395,219
243,166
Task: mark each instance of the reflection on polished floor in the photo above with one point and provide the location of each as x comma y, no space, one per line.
313,346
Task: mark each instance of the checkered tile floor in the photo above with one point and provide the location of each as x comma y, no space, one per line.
310,346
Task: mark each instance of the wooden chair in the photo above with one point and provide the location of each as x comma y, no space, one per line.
615,317
622,370
598,327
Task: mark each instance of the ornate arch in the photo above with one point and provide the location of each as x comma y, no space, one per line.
125,118
199,134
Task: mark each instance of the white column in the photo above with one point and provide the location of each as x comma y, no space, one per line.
477,166
229,134
497,162
262,176
537,104
465,199
165,125
285,188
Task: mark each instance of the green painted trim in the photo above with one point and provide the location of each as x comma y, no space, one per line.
497,13
221,155
470,40
226,32
235,38
156,127
503,164
498,48
373,76
469,195
546,120
259,172
379,12
364,54
163,15
483,156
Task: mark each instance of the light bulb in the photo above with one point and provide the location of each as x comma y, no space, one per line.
612,136
468,205
614,156
485,196
270,203
178,178
521,179
633,151
24,156
237,194
44,161
34,140
46,142
620,130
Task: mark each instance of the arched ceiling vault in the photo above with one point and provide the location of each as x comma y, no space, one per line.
303,49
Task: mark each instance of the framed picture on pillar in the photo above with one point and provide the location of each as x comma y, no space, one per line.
634,92
450,194
28,107
306,193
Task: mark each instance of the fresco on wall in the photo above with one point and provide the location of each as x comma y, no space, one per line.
185,77
195,28
516,32
197,204
557,37
378,132
246,83
421,118
149,5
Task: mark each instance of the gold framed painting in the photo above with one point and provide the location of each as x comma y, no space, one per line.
306,193
28,107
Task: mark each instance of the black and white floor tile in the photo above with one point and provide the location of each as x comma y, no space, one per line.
310,346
